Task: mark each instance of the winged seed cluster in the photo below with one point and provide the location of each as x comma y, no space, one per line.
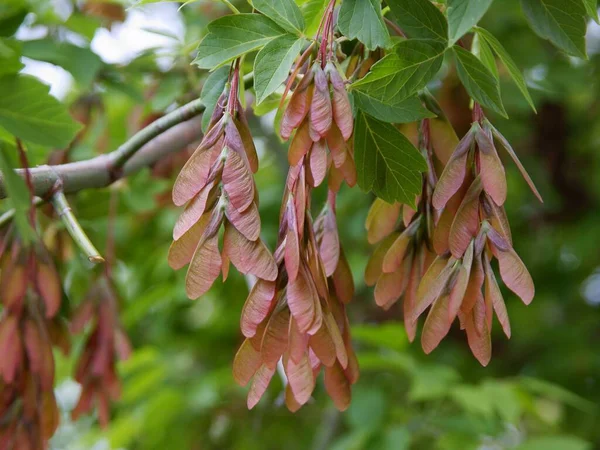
30,291
301,318
442,232
436,255
471,229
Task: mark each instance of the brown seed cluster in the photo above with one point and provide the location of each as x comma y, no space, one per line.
471,229
107,342
300,318
218,187
30,292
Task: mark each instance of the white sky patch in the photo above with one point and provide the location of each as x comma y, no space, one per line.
128,39
592,38
59,79
119,45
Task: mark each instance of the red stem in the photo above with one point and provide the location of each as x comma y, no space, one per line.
28,180
331,199
394,27
425,136
326,30
233,91
323,19
292,77
478,114
110,232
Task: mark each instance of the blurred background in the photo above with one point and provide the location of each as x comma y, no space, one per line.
120,68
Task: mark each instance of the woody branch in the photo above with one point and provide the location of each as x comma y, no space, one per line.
164,136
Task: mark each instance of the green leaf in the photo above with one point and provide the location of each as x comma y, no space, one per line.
420,19
273,63
169,89
353,440
211,90
473,400
555,443
562,22
312,12
401,74
508,62
269,104
463,15
478,80
284,12
483,51
83,25
386,162
11,18
396,438
558,393
388,335
10,56
29,112
367,410
18,195
432,381
408,110
81,62
362,19
232,36
506,399
591,7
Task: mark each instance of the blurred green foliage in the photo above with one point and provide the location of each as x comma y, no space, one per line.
542,388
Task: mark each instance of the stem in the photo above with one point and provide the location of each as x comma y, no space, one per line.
25,164
323,19
64,211
324,40
167,135
110,232
159,126
233,91
324,30
394,27
478,114
295,72
230,6
10,214
331,199
96,172
425,144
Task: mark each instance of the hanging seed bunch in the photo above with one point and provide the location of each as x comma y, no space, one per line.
218,187
405,250
107,342
299,319
320,114
472,230
30,291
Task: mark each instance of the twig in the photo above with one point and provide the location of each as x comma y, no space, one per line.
230,6
25,164
159,126
63,209
162,137
96,173
110,231
7,216
394,27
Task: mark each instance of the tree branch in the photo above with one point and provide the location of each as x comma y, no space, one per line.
159,126
99,172
63,209
169,134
